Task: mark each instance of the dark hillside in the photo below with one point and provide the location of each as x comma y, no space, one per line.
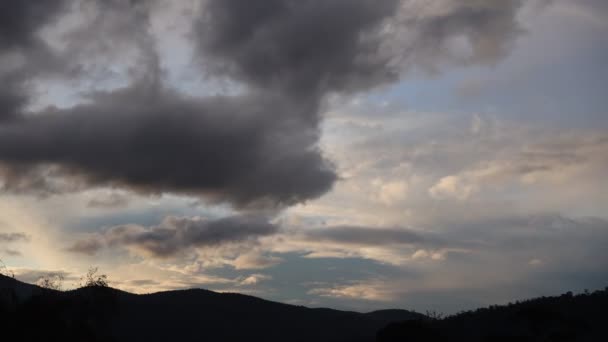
105,314
565,318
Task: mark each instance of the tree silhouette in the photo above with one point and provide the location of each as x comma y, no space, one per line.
435,315
5,271
51,282
93,279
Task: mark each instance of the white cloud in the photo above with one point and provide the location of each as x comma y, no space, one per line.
371,290
422,254
452,187
389,193
255,260
254,279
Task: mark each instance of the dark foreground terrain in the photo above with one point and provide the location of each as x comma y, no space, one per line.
31,313
582,317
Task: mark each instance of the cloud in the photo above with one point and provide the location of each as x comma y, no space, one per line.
424,254
452,187
442,32
254,279
368,290
13,252
257,148
542,253
296,46
20,22
89,246
300,47
13,237
370,236
112,200
143,282
11,99
386,245
392,192
490,166
552,160
175,235
255,260
32,276
241,150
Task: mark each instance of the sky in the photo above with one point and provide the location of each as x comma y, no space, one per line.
356,154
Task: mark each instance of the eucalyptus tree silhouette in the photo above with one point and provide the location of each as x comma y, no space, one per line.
51,282
92,279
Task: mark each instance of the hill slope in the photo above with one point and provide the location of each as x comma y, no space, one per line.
565,318
104,314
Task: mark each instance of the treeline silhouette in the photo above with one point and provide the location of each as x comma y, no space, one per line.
569,317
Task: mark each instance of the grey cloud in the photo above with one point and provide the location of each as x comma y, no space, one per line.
20,20
302,47
243,150
370,236
533,233
112,31
523,238
32,276
598,6
11,98
12,252
315,47
541,253
175,235
489,29
143,282
88,246
36,180
255,260
13,237
254,149
544,251
112,200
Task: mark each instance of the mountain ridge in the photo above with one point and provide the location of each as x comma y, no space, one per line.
189,315
107,314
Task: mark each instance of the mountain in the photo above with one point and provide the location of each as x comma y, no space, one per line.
12,289
568,317
31,313
105,314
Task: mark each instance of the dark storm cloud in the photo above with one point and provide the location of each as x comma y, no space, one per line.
25,55
254,149
11,98
174,235
20,20
245,150
302,47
